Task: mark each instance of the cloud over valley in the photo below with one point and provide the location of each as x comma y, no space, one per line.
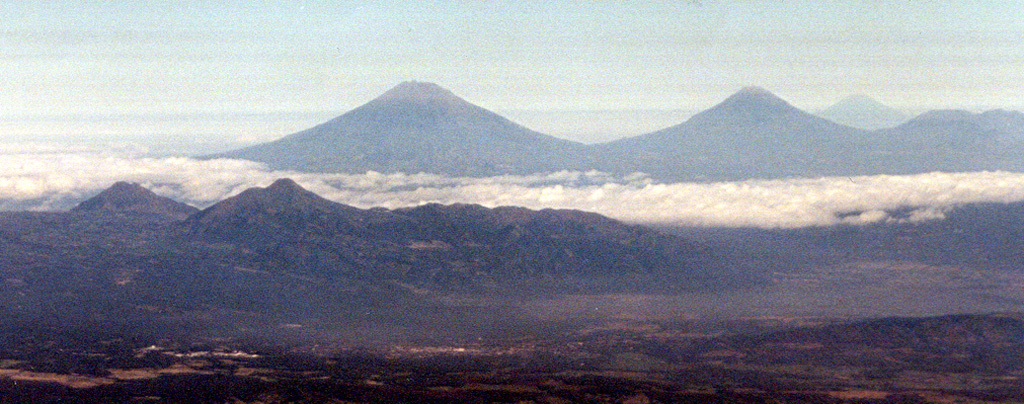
55,179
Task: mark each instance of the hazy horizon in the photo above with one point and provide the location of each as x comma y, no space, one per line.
196,133
165,59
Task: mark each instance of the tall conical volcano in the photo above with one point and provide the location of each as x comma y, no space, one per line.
752,133
417,127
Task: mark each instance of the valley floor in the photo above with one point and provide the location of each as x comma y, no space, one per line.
599,361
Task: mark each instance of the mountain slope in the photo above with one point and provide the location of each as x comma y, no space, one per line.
957,140
863,112
291,229
525,243
753,133
417,127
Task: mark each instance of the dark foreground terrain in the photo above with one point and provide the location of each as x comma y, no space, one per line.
278,295
948,359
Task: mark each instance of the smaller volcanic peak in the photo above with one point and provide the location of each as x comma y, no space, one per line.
125,197
286,192
118,196
754,108
284,195
861,111
860,100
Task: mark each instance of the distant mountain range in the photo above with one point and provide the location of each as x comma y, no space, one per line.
421,127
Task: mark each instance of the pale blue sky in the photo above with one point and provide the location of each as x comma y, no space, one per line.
170,58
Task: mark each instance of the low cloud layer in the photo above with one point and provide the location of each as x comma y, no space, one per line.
56,179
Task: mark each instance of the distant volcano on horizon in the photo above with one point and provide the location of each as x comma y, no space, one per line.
417,127
863,112
752,133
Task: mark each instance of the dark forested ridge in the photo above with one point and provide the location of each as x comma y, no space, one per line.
278,295
284,249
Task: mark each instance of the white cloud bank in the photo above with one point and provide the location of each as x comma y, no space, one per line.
52,179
